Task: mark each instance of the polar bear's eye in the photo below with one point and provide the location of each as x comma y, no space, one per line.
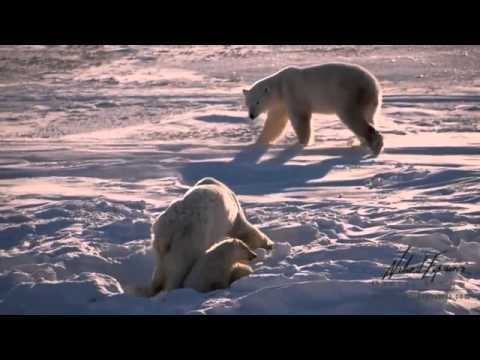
258,102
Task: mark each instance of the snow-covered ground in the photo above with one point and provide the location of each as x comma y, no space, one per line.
97,140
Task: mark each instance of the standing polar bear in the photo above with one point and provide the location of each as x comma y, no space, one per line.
349,91
221,265
207,214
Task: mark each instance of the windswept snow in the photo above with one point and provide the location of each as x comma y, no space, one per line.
97,140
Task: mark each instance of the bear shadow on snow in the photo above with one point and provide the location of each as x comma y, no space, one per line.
221,119
245,175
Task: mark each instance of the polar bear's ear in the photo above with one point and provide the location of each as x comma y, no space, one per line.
245,91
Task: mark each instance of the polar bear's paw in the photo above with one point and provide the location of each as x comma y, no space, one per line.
268,244
376,145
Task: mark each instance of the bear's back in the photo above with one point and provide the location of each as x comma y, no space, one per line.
339,73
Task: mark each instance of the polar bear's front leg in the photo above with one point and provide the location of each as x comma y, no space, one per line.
301,123
249,234
274,126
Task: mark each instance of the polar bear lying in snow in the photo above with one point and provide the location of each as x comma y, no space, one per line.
221,265
207,214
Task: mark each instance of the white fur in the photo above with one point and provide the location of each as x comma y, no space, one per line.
207,214
347,90
220,266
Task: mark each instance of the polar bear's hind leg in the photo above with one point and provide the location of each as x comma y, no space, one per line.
358,123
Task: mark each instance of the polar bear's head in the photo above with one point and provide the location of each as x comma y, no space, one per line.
232,250
258,99
242,251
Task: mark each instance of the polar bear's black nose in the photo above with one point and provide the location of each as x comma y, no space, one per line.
252,116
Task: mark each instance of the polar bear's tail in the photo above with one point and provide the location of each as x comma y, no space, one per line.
370,101
162,230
